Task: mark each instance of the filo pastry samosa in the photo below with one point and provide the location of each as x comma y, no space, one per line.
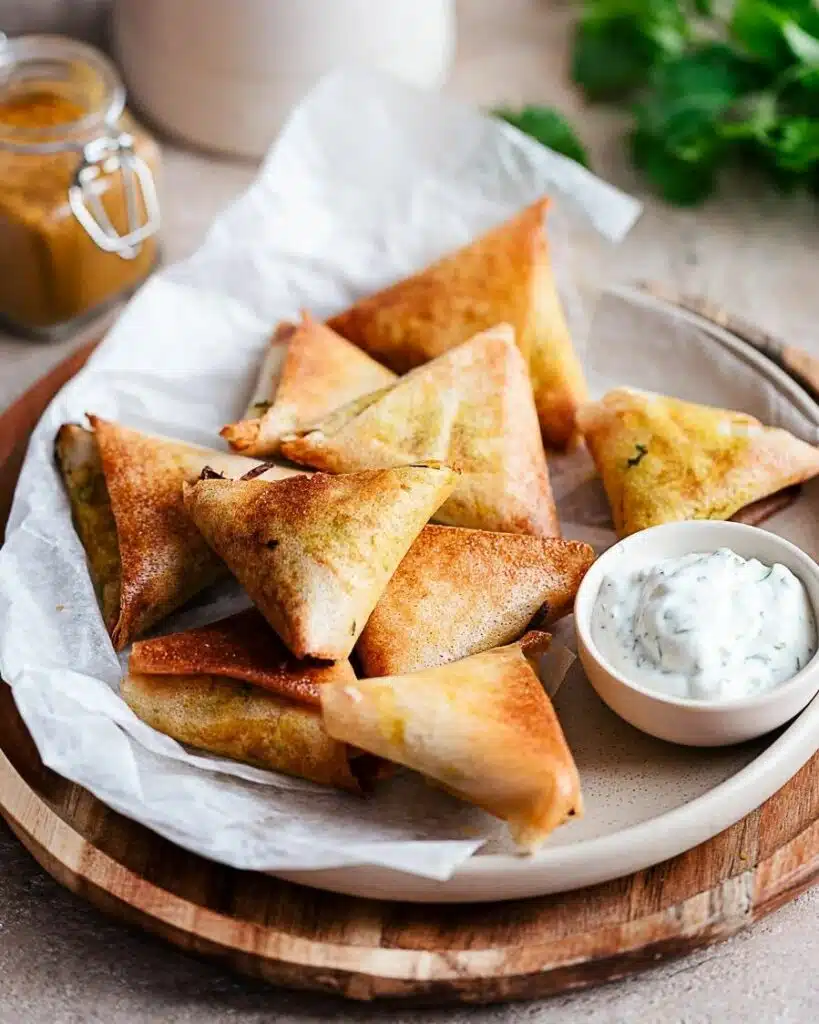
505,276
270,371
320,371
458,592
146,558
663,460
470,408
483,728
232,688
315,553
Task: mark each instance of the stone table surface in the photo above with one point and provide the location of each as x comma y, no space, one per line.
750,249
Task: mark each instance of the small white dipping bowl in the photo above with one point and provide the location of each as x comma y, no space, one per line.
691,722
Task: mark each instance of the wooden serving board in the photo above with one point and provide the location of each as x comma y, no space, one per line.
365,949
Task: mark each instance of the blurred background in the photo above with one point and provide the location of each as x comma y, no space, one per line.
85,19
212,80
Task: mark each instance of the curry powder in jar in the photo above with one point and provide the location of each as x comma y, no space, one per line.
78,208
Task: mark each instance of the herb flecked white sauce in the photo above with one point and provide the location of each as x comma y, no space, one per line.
707,626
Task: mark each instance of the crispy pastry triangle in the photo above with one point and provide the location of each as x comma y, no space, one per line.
194,687
663,460
321,371
458,592
471,408
315,554
482,727
146,557
503,277
242,647
267,381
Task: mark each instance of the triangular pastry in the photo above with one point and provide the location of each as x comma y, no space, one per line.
232,688
470,408
125,489
315,553
458,592
663,460
270,371
321,371
505,276
483,728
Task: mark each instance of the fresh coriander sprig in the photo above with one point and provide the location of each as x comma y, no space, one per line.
709,82
548,127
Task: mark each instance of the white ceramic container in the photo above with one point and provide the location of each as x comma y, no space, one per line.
223,74
695,723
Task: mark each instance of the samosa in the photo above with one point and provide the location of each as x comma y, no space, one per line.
125,488
458,592
232,688
315,554
471,408
483,728
505,276
663,460
320,372
270,371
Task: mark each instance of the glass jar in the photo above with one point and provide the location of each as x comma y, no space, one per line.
78,208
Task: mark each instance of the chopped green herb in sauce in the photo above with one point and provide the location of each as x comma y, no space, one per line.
706,626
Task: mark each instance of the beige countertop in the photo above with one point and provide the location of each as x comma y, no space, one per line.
751,250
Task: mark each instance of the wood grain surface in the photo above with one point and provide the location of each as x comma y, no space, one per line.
17,423
366,949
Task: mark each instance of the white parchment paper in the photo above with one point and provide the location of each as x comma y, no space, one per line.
369,181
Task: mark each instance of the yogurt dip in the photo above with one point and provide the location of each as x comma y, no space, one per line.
709,626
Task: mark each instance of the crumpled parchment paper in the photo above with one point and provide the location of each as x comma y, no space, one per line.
368,182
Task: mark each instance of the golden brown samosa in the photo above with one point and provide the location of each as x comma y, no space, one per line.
232,688
663,460
471,408
320,372
505,276
483,728
270,371
125,488
315,554
458,592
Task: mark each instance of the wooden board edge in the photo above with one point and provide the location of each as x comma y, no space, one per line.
22,415
20,419
423,976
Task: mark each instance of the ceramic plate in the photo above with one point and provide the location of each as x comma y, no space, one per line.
646,800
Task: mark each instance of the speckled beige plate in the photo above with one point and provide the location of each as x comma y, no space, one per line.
646,800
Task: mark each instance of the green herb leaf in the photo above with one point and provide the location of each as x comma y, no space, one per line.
704,82
618,42
715,83
681,182
803,45
794,144
611,58
758,27
751,117
798,91
679,142
775,33
549,128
